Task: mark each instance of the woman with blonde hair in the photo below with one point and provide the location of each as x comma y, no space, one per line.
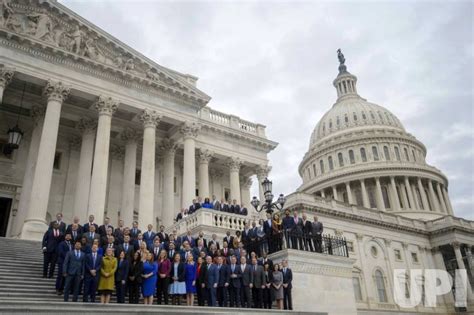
190,279
177,275
150,270
277,232
107,276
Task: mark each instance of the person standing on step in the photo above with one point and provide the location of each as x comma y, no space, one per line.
135,278
60,222
287,285
190,279
121,276
150,270
211,281
235,282
51,240
91,276
164,268
247,280
277,286
177,282
63,248
73,271
107,276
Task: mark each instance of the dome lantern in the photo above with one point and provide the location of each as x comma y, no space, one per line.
345,83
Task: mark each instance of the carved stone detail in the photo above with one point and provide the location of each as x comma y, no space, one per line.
205,156
262,171
246,181
75,143
130,135
150,118
56,91
86,125
216,173
37,113
6,75
190,130
106,105
117,152
234,164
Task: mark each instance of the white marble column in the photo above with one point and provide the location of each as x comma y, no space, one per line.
349,193
234,165
335,196
439,264
6,76
411,199
262,173
81,197
150,120
130,136
115,183
424,199
441,198
106,106
168,213
434,200
216,177
447,201
205,157
190,132
35,225
37,113
457,252
365,196
323,194
67,207
246,183
403,192
395,199
378,194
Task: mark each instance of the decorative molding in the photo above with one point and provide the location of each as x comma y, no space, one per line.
117,151
37,113
75,143
6,74
56,91
246,181
205,156
86,125
106,105
130,135
168,147
190,130
262,171
233,164
216,173
150,118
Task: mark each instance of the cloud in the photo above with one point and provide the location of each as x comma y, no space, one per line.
273,62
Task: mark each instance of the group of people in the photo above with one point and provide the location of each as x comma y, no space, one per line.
149,265
214,204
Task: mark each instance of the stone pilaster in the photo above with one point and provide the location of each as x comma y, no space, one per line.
205,157
349,193
35,225
246,184
168,147
411,199
234,165
216,177
106,107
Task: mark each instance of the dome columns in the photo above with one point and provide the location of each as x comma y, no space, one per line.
424,198
396,200
378,194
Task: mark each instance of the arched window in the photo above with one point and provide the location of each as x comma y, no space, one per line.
341,159
375,153
338,122
321,166
386,200
330,124
363,116
414,155
314,170
351,157
346,119
309,174
386,152
406,154
355,117
397,153
380,285
363,156
331,164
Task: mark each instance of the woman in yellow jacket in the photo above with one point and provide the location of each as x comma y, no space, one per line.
107,276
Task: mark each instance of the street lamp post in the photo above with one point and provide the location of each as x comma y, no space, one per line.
269,205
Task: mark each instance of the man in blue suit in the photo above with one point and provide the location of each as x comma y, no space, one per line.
63,248
86,227
73,271
92,271
149,236
211,281
235,282
288,226
223,283
51,240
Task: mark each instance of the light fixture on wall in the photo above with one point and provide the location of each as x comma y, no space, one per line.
15,134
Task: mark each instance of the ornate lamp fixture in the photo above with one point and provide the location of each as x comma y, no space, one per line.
269,205
15,134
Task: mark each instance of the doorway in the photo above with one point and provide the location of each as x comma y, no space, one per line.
5,208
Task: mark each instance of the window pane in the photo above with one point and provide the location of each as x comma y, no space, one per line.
357,289
363,156
386,153
375,153
341,159
351,156
397,153
331,165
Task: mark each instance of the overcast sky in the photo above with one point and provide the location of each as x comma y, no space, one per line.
273,62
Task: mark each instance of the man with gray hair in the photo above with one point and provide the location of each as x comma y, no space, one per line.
317,232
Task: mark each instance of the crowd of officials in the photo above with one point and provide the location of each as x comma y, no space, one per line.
214,204
149,265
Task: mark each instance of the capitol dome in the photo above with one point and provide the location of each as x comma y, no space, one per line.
360,153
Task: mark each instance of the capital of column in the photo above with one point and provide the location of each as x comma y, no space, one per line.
168,147
456,245
106,105
205,156
435,250
359,236
246,181
117,152
262,171
234,164
6,76
150,118
56,91
215,173
86,125
190,129
404,245
75,143
130,135
387,242
37,113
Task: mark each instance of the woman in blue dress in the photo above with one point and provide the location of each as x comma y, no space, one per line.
178,276
150,270
190,280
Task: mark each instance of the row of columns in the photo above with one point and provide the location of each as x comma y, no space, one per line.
407,195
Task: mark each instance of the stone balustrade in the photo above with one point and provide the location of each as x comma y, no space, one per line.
231,121
208,219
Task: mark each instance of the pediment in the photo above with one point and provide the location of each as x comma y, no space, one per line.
53,28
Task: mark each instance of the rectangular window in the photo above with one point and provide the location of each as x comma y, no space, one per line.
357,288
57,160
414,257
375,153
386,152
398,254
175,185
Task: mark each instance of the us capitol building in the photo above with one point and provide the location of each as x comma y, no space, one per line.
107,131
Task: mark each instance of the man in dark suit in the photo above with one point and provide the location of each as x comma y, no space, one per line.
134,231
243,210
180,215
213,241
265,260
287,285
247,280
189,238
224,278
229,239
201,237
76,232
246,235
252,241
79,229
216,204
194,207
157,248
104,239
234,207
149,236
198,249
127,247
171,251
235,283
267,229
317,232
103,228
138,242
307,229
119,232
73,271
212,280
258,283
63,248
91,235
59,221
51,240
297,231
288,225
86,227
201,284
111,244
164,237
92,271
224,206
